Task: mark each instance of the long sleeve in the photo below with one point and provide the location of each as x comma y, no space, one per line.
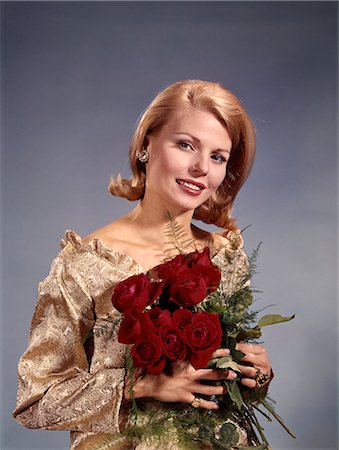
58,386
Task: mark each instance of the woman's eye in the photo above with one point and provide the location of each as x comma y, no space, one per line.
219,158
185,145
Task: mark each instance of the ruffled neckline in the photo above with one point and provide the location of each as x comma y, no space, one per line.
230,249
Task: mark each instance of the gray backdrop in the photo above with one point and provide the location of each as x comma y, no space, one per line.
76,76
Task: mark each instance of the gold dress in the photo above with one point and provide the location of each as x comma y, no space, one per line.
71,376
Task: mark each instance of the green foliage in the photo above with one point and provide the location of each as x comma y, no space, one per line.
252,261
177,240
272,319
234,393
226,362
240,324
188,427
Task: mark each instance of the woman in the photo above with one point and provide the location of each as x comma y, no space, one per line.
191,152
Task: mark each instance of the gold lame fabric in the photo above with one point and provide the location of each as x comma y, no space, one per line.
71,376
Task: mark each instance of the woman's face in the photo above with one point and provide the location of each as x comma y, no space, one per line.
187,160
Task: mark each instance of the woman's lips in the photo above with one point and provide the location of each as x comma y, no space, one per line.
192,187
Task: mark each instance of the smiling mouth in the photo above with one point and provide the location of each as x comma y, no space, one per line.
189,185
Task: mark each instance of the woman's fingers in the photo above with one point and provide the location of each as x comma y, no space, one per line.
255,359
249,374
249,382
256,356
248,371
220,353
246,347
212,374
210,390
198,402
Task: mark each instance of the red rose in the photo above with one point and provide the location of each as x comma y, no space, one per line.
155,289
160,317
189,287
201,258
174,346
181,318
194,279
203,336
202,263
132,293
148,354
167,270
134,327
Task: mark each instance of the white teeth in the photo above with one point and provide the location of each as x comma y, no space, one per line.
190,185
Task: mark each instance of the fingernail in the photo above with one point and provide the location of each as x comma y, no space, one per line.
227,351
215,406
233,375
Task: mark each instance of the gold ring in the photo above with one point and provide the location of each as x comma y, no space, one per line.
261,379
196,402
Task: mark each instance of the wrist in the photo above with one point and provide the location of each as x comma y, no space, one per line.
141,388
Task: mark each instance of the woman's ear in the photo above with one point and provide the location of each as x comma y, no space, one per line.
146,142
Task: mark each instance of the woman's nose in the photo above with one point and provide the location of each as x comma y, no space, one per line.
200,166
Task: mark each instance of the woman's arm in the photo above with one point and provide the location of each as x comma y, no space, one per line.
56,388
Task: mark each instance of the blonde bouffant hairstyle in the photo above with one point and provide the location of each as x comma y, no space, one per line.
227,108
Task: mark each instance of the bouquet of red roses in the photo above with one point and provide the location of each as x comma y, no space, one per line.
177,312
160,319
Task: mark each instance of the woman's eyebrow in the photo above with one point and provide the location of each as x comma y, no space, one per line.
190,135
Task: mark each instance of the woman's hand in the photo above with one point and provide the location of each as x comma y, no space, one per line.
257,358
184,384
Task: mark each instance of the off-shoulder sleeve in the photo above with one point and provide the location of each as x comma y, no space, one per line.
233,262
56,389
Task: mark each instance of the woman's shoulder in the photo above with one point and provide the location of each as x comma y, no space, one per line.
91,259
231,240
104,234
76,249
113,236
98,243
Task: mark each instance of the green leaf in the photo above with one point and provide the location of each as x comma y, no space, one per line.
214,309
237,355
234,392
212,363
229,434
271,319
226,362
249,333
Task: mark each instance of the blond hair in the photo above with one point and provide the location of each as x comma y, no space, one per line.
227,108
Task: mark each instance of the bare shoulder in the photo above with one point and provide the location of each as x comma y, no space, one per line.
214,240
218,238
112,234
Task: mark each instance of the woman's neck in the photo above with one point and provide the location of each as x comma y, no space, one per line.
155,223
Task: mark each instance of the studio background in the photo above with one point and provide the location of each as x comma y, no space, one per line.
75,78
